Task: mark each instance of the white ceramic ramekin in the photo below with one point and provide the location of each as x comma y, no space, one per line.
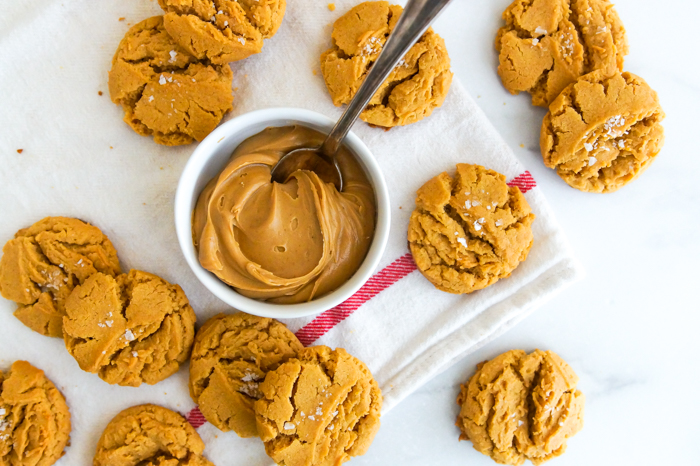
210,157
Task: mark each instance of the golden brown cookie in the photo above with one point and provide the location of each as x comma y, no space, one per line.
149,435
165,91
470,231
129,330
222,31
43,263
600,134
547,44
231,356
34,418
319,409
417,86
521,406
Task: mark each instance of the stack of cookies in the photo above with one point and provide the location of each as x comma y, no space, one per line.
170,73
603,127
310,406
129,328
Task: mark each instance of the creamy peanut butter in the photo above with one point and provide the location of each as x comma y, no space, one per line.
283,243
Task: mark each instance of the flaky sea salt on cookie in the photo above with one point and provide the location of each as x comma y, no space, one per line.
231,356
43,263
133,329
521,407
150,435
320,409
416,87
469,231
34,418
602,133
222,31
547,44
165,91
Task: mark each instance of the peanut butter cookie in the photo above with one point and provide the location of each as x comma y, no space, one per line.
34,418
222,31
129,330
165,91
417,86
150,435
521,406
231,356
319,409
600,134
470,231
547,44
43,263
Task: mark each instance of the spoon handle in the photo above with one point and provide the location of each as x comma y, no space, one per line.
414,21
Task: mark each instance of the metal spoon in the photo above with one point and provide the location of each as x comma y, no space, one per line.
414,21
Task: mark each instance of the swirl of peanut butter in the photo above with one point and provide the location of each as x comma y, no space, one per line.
283,243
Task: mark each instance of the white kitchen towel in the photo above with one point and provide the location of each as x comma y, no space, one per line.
79,159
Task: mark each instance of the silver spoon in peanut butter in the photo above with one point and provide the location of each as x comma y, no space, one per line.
415,20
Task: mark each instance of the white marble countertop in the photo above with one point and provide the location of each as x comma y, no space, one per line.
629,329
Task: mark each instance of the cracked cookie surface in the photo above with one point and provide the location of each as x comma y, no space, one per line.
34,418
547,44
521,406
470,231
222,31
319,409
601,134
150,435
416,87
230,357
130,329
165,91
44,262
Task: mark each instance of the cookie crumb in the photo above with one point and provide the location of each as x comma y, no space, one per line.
19,151
122,18
522,145
331,6
99,92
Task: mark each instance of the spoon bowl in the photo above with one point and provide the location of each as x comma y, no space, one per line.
214,153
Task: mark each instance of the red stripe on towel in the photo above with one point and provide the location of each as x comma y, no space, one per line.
525,182
375,285
196,418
